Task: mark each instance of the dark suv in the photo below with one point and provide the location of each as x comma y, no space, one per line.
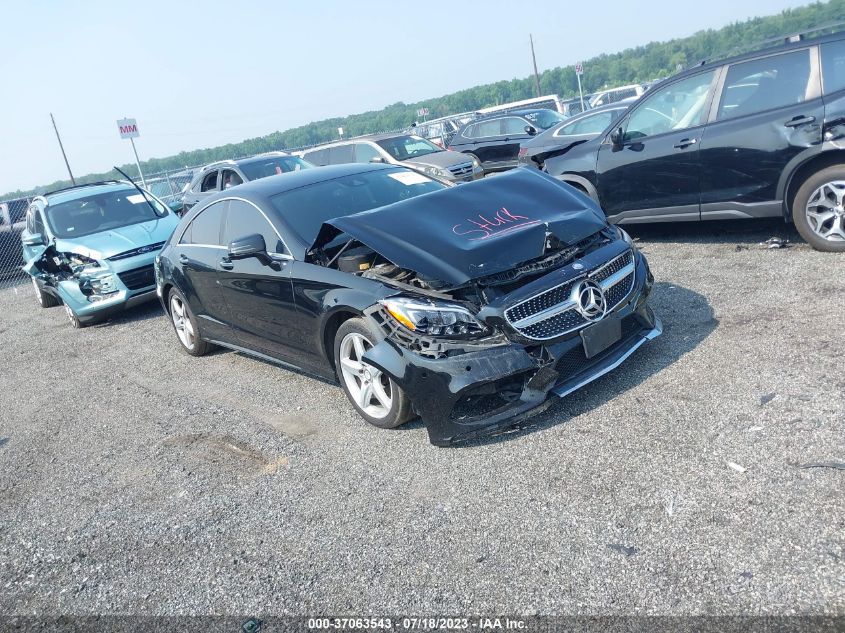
495,140
759,135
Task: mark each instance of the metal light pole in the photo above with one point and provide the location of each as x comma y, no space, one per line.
62,147
534,59
138,162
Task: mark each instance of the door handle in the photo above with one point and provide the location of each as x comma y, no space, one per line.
685,142
800,120
226,264
183,259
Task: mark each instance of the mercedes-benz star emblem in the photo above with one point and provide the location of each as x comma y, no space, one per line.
590,299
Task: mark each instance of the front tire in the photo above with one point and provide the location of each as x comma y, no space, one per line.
185,325
73,318
818,211
375,396
45,300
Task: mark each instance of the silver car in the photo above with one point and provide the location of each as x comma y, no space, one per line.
408,150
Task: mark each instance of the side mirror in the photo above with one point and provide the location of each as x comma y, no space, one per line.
248,246
616,137
377,159
33,239
530,130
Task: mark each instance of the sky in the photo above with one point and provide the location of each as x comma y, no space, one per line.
203,74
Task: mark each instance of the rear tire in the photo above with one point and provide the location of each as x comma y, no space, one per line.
45,300
375,396
818,211
185,325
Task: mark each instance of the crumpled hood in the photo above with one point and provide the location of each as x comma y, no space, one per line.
475,229
109,243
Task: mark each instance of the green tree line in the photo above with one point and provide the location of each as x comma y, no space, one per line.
643,63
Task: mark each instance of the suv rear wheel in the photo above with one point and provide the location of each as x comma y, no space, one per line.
819,211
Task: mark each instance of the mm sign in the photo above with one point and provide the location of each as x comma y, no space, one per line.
422,112
579,69
128,128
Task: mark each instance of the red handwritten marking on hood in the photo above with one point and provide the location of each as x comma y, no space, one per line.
503,222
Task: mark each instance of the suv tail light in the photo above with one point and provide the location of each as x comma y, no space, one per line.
522,152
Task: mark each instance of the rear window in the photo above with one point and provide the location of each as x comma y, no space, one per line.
272,166
306,208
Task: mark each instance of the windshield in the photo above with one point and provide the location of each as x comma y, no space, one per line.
544,119
305,209
408,147
272,166
101,212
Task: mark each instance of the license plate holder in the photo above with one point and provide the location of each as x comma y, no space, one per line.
599,336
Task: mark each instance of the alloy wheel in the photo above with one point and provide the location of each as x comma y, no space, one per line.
370,388
825,211
182,322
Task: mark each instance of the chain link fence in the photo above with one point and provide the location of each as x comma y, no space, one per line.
12,222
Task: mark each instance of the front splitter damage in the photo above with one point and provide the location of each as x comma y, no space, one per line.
493,390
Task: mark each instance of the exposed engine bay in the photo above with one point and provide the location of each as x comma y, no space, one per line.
95,281
351,256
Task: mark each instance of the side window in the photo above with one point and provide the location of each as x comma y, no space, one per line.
38,223
319,157
30,219
209,182
513,125
833,66
763,84
244,219
364,153
488,128
341,154
205,228
588,125
678,106
231,178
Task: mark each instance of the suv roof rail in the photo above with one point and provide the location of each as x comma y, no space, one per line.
773,42
87,184
217,163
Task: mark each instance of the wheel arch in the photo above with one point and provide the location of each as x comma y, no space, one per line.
581,183
805,170
330,327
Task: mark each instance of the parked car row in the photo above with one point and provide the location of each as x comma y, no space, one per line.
398,149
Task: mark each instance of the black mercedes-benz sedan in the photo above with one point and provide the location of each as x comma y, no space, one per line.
467,305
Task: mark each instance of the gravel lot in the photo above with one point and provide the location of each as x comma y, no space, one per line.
137,480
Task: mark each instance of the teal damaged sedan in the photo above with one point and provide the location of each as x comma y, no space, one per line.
92,247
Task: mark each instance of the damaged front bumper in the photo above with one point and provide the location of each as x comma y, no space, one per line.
492,390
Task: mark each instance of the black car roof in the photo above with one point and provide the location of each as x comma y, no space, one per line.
260,191
496,115
788,46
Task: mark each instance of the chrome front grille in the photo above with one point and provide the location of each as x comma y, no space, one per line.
554,312
464,169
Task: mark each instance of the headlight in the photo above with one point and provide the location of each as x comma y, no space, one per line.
434,319
624,235
475,162
102,284
435,172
